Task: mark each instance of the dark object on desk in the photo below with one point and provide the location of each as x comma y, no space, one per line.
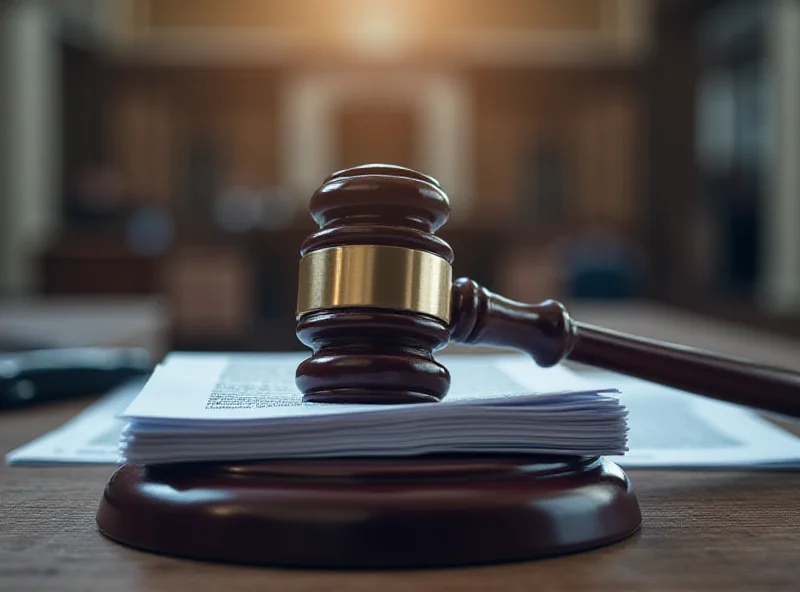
376,299
37,376
363,513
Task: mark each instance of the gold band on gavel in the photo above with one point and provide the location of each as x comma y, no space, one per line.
375,276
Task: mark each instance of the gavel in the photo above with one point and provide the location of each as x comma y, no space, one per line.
376,299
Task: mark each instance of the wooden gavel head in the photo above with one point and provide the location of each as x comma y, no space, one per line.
376,297
373,298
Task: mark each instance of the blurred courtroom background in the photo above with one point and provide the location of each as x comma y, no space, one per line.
592,149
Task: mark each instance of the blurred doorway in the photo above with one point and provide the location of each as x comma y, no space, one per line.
335,118
367,132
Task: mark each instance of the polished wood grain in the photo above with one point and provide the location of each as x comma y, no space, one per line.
434,511
702,530
363,356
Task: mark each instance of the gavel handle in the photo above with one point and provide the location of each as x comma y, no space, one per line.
698,371
549,335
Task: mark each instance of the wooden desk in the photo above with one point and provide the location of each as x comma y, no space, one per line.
718,530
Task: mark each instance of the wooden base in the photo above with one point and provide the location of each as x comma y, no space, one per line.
368,513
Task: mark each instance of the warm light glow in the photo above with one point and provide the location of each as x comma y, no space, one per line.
378,31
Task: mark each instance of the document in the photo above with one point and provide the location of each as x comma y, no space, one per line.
672,428
245,406
197,408
90,437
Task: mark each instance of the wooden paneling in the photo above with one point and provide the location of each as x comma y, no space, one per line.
500,138
520,15
604,133
504,32
141,133
245,138
210,291
83,101
156,115
593,118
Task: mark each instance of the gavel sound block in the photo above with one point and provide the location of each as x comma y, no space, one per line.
375,301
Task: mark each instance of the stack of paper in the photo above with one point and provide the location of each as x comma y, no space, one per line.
200,407
196,403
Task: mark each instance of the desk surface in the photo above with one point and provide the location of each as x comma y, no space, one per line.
720,530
